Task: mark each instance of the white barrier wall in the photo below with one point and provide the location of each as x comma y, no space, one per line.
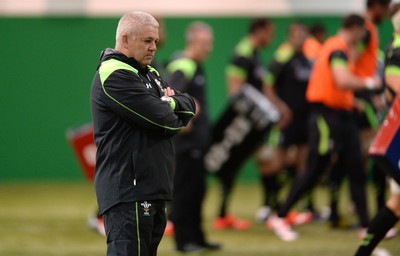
180,7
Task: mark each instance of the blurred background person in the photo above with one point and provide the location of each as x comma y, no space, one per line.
389,214
287,79
186,74
245,67
365,55
313,43
332,128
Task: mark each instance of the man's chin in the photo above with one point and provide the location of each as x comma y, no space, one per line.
148,60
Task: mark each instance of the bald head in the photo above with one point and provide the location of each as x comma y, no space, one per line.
132,22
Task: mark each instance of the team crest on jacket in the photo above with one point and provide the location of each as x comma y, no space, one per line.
146,208
159,84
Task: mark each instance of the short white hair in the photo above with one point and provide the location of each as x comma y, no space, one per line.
131,22
194,28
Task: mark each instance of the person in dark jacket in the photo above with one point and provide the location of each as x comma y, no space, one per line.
186,74
135,115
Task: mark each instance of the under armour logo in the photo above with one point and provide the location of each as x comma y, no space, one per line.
148,85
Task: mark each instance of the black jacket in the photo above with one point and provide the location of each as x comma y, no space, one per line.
188,76
133,131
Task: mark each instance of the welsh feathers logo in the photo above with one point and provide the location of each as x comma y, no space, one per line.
146,208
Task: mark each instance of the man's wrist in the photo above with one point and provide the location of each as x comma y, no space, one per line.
170,100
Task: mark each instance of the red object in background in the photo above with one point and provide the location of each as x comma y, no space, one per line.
385,148
81,140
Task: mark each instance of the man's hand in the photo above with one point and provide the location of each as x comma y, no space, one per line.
168,92
284,110
286,114
373,83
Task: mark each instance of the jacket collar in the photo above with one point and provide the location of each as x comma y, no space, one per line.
110,53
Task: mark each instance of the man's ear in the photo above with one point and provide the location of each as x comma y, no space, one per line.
125,39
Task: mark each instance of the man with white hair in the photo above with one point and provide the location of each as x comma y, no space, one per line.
187,75
135,115
388,216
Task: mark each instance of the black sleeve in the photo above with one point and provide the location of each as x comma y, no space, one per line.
242,62
338,55
178,81
185,107
274,70
394,58
128,96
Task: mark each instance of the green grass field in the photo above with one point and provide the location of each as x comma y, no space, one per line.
49,219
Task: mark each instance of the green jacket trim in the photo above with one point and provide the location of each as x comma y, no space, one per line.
338,63
269,79
172,104
232,70
151,69
392,70
274,137
284,53
396,41
109,66
370,114
185,65
137,227
244,48
106,69
323,136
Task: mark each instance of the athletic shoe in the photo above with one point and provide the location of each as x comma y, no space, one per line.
381,252
97,224
229,222
281,229
325,213
263,213
169,229
298,218
391,233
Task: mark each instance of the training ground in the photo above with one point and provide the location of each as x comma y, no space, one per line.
49,219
